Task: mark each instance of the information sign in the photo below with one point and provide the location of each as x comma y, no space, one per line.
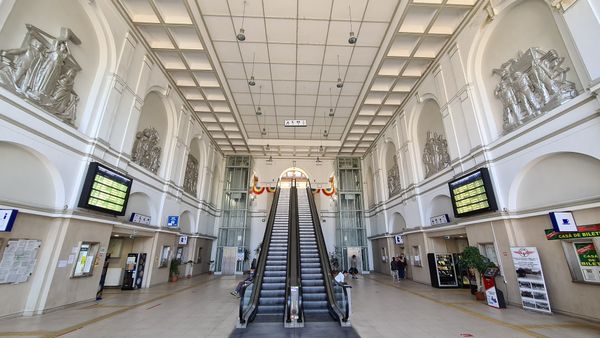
7,219
530,277
294,123
586,252
105,190
472,194
563,222
173,221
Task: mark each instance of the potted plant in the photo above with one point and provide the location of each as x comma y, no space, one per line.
174,269
476,264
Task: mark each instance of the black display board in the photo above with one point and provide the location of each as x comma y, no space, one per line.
472,194
105,190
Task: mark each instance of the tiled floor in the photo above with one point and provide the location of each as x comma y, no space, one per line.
202,307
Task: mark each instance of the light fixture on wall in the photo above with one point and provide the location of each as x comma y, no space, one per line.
241,36
339,84
251,82
352,39
258,109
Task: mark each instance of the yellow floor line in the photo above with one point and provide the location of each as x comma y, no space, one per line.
83,324
515,327
561,325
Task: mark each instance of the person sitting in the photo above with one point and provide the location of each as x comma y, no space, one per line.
240,285
341,277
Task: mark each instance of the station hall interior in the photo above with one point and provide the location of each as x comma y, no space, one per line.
299,168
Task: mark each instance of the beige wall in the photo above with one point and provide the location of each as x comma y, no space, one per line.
417,273
64,289
14,296
161,275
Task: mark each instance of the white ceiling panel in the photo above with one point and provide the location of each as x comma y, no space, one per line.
312,32
281,30
310,54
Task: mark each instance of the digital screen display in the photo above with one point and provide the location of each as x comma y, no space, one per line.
105,190
472,194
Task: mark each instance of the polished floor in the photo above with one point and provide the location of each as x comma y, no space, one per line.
203,307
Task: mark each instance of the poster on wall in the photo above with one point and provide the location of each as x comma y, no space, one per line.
18,260
532,286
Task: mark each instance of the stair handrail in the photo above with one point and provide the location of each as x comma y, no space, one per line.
341,314
293,315
248,315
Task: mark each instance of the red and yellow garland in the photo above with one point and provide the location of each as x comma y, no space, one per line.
259,190
329,191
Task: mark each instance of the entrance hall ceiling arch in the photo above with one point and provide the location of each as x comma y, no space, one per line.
292,49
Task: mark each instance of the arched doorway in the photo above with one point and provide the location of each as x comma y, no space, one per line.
293,174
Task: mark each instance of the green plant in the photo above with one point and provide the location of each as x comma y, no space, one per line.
476,263
174,267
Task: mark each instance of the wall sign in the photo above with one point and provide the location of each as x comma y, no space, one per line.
139,218
584,231
18,260
183,239
530,277
440,219
398,239
7,219
472,194
294,123
563,221
173,221
105,190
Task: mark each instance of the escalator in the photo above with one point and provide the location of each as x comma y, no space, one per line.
293,283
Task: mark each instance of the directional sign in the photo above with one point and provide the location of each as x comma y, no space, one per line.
295,123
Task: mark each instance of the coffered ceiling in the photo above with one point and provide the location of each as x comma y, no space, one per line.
292,48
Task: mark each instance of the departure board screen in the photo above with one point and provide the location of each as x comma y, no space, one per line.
105,190
472,194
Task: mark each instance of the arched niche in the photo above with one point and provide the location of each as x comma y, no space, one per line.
429,125
153,130
370,186
522,25
565,177
51,16
191,178
186,224
398,223
439,205
140,203
27,178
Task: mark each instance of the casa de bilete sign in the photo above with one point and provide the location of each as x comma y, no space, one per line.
532,286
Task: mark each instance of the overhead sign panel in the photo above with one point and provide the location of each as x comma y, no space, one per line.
472,194
295,123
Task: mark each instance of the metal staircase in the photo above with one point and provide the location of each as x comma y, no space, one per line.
271,302
314,296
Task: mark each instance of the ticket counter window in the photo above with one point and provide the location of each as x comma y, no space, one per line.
582,256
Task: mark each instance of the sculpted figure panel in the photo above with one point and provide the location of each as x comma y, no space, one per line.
146,149
43,71
435,154
530,85
190,180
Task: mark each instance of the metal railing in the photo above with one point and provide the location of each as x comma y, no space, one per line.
293,313
250,293
337,295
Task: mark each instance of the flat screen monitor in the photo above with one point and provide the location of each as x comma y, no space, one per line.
105,190
472,194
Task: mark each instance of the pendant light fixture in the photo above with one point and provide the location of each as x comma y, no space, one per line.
241,36
352,39
252,83
331,113
258,109
318,161
263,132
339,84
270,160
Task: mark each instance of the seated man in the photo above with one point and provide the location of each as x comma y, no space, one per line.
341,277
240,285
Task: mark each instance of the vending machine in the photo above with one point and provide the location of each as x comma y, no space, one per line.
442,270
134,271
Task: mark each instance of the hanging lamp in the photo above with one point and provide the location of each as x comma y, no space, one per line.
251,82
339,84
241,35
352,39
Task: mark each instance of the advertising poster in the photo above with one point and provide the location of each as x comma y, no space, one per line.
530,277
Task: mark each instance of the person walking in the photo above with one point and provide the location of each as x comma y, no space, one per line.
401,266
394,268
354,267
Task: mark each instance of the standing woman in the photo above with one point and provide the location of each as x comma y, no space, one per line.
354,267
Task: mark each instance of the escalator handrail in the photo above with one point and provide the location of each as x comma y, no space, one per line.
261,263
324,256
293,251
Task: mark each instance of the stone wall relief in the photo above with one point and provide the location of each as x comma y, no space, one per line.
146,149
190,179
43,71
393,177
530,85
435,154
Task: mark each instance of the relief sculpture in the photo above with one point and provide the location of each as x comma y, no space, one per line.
146,149
393,176
190,179
43,71
435,154
530,85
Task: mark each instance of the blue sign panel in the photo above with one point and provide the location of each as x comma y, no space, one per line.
7,219
173,221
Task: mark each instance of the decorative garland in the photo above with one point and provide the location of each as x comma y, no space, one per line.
329,191
316,190
255,188
271,189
